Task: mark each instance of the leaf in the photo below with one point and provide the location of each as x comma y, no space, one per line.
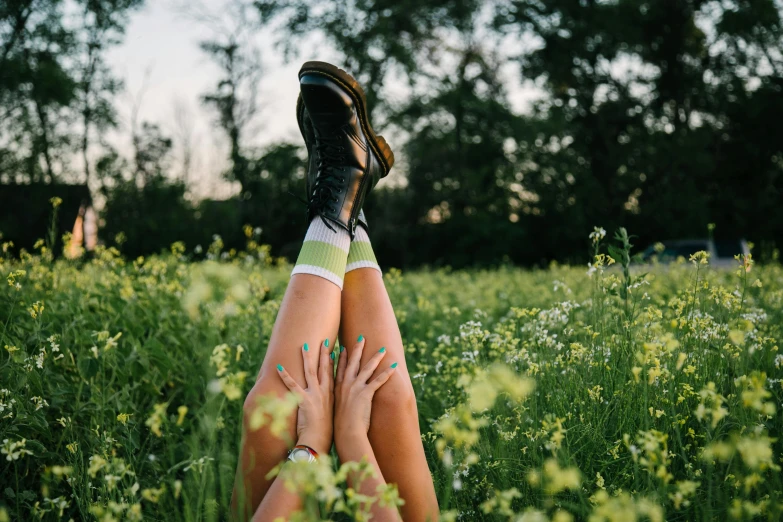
88,367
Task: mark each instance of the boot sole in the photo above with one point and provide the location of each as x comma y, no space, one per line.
349,83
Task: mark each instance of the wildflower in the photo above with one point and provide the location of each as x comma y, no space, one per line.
39,402
599,480
273,412
153,494
36,309
14,450
157,418
55,201
681,358
231,385
181,411
595,393
597,234
72,447
560,479
754,394
700,258
562,516
198,464
123,418
97,463
757,453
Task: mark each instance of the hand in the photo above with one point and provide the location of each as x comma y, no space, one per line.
353,394
316,406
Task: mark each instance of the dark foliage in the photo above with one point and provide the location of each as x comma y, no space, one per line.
660,117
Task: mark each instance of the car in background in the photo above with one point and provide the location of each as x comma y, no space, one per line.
721,251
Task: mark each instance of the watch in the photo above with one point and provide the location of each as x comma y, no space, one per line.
302,453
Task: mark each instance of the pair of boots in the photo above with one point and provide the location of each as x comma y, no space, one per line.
346,160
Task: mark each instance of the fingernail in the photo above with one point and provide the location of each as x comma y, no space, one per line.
382,349
279,367
331,356
394,365
306,348
361,337
342,349
326,343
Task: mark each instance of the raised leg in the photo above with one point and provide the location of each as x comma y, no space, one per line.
394,426
310,313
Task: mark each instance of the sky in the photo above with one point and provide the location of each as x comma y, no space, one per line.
165,73
163,70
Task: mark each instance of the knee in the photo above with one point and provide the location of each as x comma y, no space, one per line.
396,397
263,389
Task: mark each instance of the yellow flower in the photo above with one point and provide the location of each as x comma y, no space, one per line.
560,479
182,411
55,201
157,418
124,417
152,494
36,309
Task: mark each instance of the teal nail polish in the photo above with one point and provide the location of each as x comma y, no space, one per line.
342,349
326,343
394,365
361,337
331,356
279,367
382,350
306,348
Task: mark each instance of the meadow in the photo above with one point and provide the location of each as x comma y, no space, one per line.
567,393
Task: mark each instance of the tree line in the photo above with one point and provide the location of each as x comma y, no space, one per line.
660,116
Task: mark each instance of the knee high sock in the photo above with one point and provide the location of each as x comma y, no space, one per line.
361,254
324,252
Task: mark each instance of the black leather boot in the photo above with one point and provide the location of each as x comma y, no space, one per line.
346,157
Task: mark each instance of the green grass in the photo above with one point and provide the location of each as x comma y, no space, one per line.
543,394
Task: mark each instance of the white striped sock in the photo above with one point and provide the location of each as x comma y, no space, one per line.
361,254
324,252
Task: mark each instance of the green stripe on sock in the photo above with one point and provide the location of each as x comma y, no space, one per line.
361,251
324,255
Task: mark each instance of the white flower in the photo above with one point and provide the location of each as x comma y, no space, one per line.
14,450
597,234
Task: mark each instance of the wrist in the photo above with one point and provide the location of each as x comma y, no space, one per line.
352,445
320,444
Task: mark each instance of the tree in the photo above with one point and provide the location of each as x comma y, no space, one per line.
235,97
102,25
54,80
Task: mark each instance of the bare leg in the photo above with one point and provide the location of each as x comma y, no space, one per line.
394,425
310,313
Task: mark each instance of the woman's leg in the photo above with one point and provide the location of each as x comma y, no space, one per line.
309,313
394,426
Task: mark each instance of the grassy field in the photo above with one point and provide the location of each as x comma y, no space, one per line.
544,394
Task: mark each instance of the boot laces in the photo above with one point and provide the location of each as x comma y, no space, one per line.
330,179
